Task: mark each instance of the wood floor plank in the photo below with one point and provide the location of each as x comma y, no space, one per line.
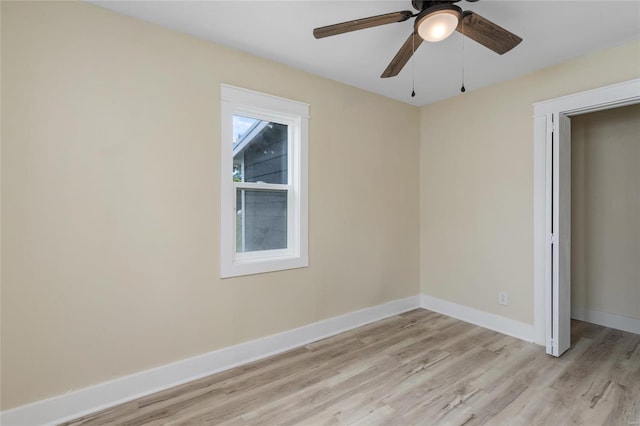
417,368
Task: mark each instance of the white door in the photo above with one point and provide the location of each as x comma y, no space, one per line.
559,291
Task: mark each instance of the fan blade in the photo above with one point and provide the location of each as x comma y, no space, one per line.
487,33
403,56
361,24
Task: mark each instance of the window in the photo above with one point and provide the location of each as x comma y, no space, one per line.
264,183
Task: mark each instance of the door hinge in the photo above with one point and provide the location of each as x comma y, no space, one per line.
553,239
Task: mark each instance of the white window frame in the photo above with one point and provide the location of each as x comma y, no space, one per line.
295,115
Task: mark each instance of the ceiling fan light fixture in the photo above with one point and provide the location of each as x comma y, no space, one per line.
438,22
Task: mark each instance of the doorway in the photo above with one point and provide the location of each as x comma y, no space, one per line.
552,206
605,218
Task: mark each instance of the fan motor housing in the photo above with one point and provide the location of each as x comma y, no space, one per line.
425,4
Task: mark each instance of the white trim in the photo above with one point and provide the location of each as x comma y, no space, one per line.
484,319
268,102
615,95
88,400
619,322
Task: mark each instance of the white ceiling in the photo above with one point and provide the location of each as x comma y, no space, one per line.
553,31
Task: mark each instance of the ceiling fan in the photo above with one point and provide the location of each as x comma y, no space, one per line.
435,21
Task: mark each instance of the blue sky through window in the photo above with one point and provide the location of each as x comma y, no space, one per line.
241,125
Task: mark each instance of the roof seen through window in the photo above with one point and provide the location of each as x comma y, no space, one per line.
242,126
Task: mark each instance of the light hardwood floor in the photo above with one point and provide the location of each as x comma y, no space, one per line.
418,368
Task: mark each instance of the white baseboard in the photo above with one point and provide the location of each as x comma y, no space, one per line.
484,319
619,322
94,398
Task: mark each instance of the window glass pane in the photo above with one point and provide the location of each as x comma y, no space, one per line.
261,222
259,150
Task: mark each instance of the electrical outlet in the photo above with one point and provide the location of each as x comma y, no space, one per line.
502,298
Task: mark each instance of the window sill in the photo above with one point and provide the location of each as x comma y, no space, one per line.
261,265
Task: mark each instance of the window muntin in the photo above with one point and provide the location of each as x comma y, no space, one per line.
264,183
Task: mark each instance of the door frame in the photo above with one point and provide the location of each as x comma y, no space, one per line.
613,96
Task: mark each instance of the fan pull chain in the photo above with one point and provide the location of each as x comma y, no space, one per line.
413,65
462,89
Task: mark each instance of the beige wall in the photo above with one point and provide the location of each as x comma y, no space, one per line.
476,182
110,190
605,215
